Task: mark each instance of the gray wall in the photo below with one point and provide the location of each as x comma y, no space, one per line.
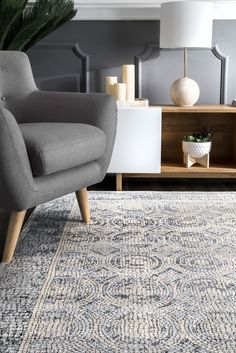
113,43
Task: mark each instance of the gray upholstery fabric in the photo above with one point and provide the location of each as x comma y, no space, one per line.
16,80
24,103
95,109
59,184
53,147
16,179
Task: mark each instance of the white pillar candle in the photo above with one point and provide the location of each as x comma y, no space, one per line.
128,75
110,81
119,91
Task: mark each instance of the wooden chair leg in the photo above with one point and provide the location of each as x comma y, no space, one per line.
82,197
14,227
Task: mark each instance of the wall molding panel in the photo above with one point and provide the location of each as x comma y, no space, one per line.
139,9
104,46
75,48
138,59
151,47
223,74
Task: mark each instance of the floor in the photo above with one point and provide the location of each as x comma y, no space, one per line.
146,185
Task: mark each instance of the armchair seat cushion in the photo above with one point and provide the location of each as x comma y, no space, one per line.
54,147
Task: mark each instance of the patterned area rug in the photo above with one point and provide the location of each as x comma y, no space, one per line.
154,272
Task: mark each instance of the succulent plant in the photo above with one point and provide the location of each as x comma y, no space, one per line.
204,135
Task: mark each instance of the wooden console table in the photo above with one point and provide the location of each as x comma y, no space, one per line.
178,121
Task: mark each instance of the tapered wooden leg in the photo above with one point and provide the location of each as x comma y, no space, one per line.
14,227
82,197
119,182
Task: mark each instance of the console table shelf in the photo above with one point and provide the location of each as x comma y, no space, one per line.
212,109
179,121
176,170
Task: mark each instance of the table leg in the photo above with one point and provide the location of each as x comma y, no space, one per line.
119,182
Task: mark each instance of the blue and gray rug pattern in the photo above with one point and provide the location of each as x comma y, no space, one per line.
153,272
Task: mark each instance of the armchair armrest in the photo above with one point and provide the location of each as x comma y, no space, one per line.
95,109
16,178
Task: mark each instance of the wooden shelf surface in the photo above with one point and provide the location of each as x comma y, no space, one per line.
215,108
214,168
177,170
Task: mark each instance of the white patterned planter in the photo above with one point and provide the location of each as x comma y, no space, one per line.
196,149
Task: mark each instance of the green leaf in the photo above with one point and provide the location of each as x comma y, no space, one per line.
200,137
61,11
191,138
10,13
33,20
33,23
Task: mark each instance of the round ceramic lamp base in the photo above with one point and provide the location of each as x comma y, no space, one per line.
185,92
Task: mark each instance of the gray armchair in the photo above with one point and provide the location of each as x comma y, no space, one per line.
51,143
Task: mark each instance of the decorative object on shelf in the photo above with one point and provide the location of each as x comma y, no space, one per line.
196,148
124,93
151,48
234,103
137,103
119,92
186,24
185,92
128,76
23,25
110,81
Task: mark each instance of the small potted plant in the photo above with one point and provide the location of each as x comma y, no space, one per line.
197,145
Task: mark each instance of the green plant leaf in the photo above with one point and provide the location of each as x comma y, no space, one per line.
61,11
204,136
10,12
33,20
33,23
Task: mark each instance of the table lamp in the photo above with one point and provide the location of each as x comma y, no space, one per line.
186,24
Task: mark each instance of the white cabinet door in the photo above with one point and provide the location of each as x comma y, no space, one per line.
138,141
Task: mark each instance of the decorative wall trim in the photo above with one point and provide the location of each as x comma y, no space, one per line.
85,67
42,80
139,9
138,59
224,73
151,47
85,60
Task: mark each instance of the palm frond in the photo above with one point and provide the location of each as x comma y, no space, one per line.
10,13
61,11
36,22
33,19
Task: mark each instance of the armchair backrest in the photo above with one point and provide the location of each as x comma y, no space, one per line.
16,81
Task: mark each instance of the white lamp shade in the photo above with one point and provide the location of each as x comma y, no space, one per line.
186,24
